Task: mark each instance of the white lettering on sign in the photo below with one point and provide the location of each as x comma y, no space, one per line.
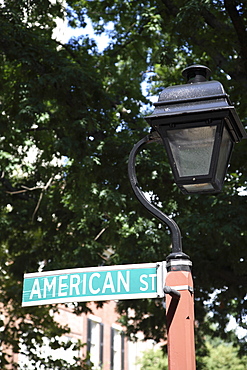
108,283
35,289
153,276
145,283
90,283
84,284
49,286
74,285
70,285
62,287
125,282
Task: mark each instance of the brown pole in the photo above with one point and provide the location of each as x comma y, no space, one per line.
180,315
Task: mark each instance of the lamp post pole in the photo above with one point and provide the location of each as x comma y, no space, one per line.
180,315
179,283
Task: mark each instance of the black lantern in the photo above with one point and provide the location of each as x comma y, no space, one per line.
199,127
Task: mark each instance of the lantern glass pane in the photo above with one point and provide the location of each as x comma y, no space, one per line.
192,149
224,155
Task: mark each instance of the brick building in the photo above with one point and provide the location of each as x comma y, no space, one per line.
103,337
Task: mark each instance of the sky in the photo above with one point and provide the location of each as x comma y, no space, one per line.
63,33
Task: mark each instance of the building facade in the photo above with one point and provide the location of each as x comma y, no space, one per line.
103,338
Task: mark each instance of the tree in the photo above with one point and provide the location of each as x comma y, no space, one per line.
223,356
153,360
76,113
220,355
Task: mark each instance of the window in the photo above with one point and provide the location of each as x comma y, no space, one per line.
117,348
95,332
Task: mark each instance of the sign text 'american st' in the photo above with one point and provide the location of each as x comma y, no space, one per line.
94,284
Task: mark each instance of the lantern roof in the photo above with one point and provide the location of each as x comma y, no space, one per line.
197,96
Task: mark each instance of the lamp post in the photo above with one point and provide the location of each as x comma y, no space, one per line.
198,126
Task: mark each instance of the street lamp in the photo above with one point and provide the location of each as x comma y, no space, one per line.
198,126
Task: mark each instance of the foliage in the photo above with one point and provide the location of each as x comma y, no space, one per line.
153,360
220,355
223,356
69,118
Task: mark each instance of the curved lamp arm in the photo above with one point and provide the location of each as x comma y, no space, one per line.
176,235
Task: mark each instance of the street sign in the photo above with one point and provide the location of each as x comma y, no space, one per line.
94,284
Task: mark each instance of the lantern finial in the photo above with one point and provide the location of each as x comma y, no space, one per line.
196,73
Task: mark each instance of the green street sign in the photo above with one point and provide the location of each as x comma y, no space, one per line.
94,284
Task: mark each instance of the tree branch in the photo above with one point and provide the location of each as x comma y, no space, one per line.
171,7
40,197
238,73
10,189
239,27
